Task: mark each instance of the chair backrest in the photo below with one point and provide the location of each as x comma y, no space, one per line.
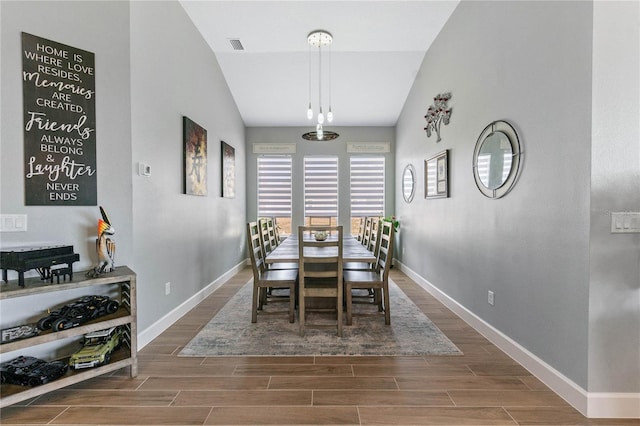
374,237
385,250
319,221
361,229
366,237
273,235
265,240
319,259
276,231
255,249
324,221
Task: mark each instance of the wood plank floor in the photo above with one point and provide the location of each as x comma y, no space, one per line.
482,387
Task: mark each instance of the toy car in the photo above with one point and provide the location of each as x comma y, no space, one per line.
19,332
78,312
97,348
31,371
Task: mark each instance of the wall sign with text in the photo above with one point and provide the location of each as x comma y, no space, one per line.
58,84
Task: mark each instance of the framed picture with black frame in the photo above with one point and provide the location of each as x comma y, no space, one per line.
195,158
228,170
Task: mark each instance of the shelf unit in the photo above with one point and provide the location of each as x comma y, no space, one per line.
125,280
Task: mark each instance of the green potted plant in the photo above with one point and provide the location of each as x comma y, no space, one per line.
394,221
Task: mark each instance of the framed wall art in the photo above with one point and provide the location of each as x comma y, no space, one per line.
436,175
228,171
195,158
59,110
496,159
409,183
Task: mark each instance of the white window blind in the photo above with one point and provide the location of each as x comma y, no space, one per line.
320,186
367,186
274,186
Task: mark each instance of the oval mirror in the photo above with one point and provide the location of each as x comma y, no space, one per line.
408,183
496,160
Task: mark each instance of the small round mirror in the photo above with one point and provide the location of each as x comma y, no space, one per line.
409,183
496,159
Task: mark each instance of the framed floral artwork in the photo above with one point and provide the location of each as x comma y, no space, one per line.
228,171
195,158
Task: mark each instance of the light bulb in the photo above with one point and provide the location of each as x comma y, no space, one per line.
309,112
330,115
320,117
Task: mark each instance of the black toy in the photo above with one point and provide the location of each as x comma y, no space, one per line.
30,371
78,312
46,260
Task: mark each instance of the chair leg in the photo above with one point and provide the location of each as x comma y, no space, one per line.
301,312
254,303
378,298
339,301
349,302
292,304
262,299
387,309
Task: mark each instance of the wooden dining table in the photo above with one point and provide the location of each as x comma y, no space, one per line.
352,251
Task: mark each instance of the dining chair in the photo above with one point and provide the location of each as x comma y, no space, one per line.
320,221
373,246
377,279
276,231
374,234
366,236
265,241
268,244
265,279
320,273
361,229
273,235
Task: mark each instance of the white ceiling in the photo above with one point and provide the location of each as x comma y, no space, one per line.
378,47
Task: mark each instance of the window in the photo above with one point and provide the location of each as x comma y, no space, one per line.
274,190
320,190
367,188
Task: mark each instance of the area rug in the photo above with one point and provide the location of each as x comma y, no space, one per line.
231,333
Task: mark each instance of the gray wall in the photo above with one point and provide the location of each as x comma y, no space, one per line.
565,288
303,147
180,238
522,62
152,67
614,290
108,39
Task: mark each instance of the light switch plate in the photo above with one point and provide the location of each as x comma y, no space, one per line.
625,222
13,223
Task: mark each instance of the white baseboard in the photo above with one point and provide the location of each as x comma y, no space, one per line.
613,405
147,335
592,405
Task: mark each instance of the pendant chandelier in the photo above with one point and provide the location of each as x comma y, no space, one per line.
320,39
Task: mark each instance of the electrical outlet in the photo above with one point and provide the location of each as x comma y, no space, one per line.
167,288
490,298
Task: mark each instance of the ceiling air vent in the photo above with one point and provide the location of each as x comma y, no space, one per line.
236,44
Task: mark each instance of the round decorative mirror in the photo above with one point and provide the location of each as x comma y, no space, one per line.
409,183
496,159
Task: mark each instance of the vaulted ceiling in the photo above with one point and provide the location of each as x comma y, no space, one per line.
377,50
